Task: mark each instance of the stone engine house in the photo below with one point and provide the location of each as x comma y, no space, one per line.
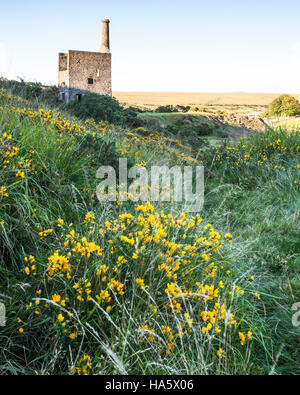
81,72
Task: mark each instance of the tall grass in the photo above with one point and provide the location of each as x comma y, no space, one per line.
130,288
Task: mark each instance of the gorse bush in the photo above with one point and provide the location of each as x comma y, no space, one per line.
132,120
165,109
107,281
195,109
33,91
168,292
139,288
103,108
255,158
171,108
284,105
98,107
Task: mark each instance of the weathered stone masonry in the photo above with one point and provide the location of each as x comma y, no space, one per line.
80,72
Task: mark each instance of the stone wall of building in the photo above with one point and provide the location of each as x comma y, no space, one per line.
62,61
63,72
63,79
80,72
86,72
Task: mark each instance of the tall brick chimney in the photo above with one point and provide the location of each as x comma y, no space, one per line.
105,48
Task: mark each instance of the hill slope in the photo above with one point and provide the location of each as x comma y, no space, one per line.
143,288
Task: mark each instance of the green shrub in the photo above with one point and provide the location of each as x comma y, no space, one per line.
204,129
284,105
103,108
142,131
32,91
163,109
181,108
98,107
132,119
171,108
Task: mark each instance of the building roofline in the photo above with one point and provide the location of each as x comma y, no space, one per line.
93,52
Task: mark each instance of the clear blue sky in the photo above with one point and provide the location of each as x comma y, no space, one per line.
160,45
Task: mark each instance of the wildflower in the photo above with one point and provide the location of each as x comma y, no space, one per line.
27,270
228,237
154,308
205,257
150,331
118,286
60,318
140,282
21,330
188,319
121,261
166,329
146,208
86,248
85,365
73,335
56,298
71,234
89,217
20,174
172,290
126,217
103,296
3,190
128,240
249,335
45,233
60,264
221,353
242,338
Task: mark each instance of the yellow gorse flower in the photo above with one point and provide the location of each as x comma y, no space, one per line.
140,282
221,353
242,338
60,318
20,174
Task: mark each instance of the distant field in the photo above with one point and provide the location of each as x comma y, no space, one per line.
194,98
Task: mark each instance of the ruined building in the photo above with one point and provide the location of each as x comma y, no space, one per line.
81,72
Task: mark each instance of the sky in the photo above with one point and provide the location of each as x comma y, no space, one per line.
160,45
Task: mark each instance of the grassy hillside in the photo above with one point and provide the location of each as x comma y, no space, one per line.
143,288
196,130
